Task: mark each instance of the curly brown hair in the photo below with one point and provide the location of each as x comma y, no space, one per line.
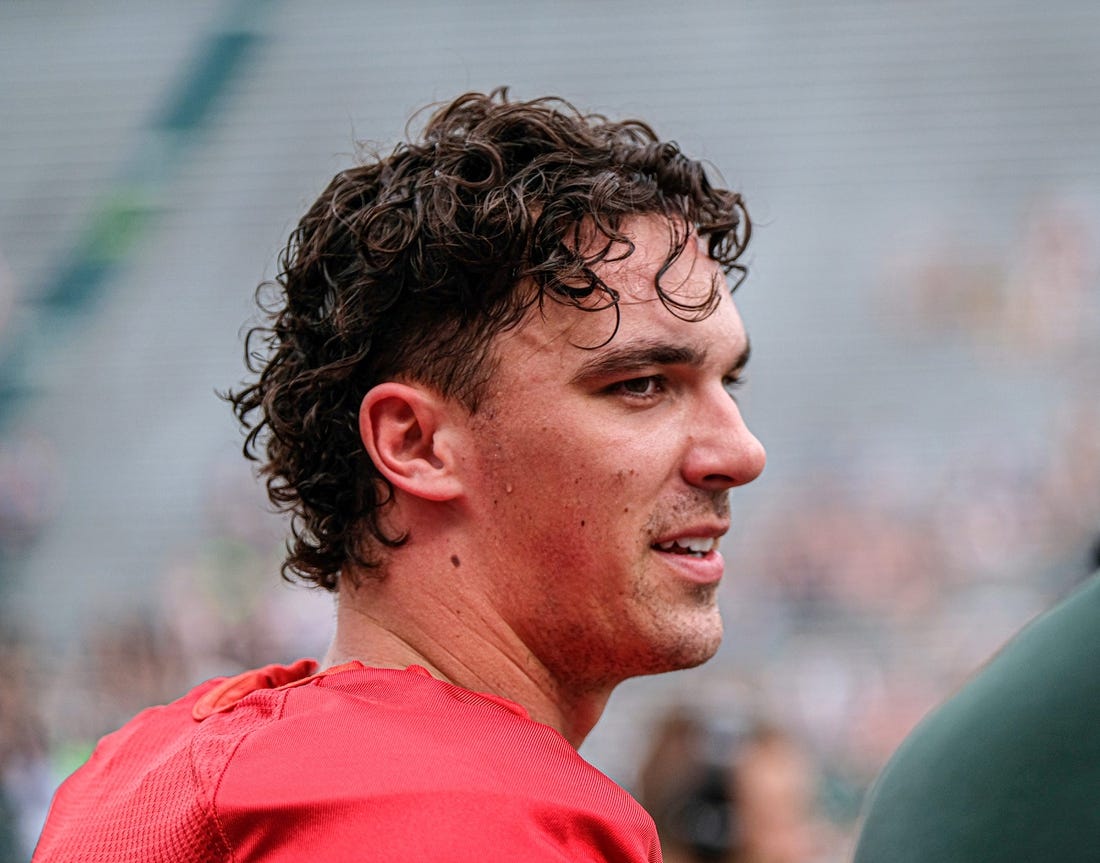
409,265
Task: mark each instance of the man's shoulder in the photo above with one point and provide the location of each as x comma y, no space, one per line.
1009,767
284,765
421,768
371,728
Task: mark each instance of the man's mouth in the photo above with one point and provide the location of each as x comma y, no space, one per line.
696,546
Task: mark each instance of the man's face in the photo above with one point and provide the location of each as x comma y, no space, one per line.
602,474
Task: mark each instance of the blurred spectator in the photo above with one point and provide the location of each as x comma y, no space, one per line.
685,792
217,597
722,798
1049,286
29,488
1031,298
773,793
7,300
26,782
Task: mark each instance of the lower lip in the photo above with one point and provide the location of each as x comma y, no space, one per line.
707,569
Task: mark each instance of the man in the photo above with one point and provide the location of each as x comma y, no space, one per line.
1008,769
496,398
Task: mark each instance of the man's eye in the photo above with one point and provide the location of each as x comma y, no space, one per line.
647,386
733,383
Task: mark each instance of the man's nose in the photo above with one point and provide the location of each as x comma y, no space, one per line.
722,452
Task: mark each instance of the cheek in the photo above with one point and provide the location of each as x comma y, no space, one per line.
571,477
558,505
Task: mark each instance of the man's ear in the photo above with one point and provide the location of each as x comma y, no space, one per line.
407,432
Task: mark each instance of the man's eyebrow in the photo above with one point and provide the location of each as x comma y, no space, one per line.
622,359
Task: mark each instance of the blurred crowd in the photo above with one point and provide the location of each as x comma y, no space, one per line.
220,608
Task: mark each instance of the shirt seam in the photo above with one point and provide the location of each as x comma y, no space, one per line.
213,793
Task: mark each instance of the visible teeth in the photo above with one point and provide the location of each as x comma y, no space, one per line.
694,544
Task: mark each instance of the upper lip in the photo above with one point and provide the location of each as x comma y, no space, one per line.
712,530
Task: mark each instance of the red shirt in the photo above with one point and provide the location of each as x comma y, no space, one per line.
356,763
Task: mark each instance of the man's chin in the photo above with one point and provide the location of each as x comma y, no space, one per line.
693,648
704,654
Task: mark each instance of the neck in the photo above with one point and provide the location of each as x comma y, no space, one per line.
457,641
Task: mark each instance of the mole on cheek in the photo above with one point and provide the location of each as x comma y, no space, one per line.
455,561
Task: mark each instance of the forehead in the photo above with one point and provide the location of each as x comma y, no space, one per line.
572,336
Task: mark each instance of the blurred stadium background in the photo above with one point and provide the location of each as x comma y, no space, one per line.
923,300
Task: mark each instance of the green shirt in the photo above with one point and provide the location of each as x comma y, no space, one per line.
1008,769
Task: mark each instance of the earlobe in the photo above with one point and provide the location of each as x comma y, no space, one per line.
406,431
